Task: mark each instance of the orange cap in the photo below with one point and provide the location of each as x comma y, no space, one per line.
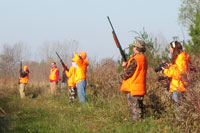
83,54
26,67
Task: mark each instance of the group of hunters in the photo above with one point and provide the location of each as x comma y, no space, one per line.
133,76
76,78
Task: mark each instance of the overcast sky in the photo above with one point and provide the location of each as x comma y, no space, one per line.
37,21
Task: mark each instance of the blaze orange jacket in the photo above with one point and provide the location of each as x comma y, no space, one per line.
176,70
136,84
24,80
54,75
81,68
71,76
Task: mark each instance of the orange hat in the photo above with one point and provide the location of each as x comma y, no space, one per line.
83,54
26,67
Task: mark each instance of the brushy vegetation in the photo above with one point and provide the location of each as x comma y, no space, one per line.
106,109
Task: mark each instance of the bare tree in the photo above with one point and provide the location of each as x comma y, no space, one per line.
65,50
10,57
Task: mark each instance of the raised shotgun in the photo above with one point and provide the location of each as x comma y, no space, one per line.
117,41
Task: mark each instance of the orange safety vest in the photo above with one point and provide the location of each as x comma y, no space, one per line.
24,80
52,75
71,76
176,70
81,68
136,84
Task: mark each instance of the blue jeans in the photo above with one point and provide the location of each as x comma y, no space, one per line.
177,97
81,85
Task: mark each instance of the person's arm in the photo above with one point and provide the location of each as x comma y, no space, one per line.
172,71
129,71
77,59
24,74
69,73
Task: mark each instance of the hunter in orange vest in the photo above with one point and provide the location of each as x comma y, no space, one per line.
134,80
71,81
53,78
23,81
178,66
80,76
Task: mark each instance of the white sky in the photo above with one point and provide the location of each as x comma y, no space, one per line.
37,21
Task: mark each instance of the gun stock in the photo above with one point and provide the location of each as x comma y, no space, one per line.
117,41
61,61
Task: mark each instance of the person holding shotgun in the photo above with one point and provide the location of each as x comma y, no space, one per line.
134,80
134,76
71,81
53,78
23,80
70,73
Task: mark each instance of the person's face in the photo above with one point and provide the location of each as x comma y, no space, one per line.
53,65
135,50
171,50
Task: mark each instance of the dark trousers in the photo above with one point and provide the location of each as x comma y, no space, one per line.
135,104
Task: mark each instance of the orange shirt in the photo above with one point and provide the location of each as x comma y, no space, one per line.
71,76
136,84
81,68
176,70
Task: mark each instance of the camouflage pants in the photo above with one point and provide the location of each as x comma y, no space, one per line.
72,94
135,104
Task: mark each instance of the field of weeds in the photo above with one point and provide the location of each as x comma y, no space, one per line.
106,109
54,114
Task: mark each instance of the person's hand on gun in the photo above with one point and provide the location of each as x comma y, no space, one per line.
162,70
65,67
124,64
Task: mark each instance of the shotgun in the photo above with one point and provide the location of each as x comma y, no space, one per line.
20,70
61,61
117,41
